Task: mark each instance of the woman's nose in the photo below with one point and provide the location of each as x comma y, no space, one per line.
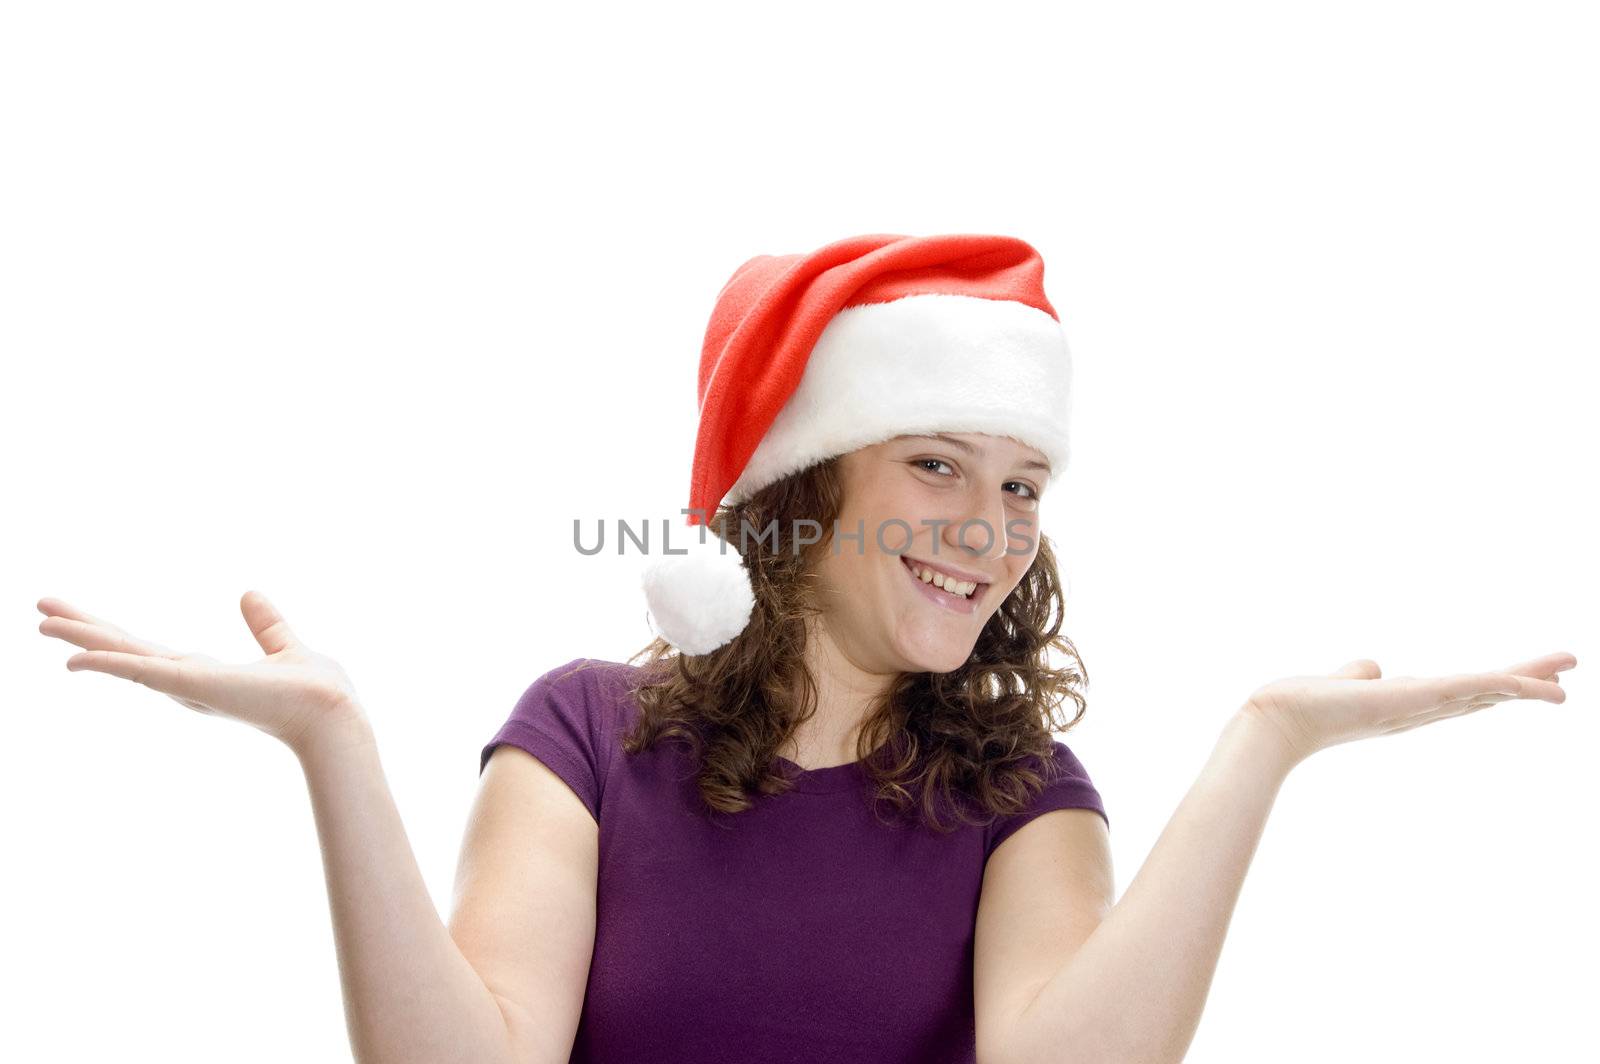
979,530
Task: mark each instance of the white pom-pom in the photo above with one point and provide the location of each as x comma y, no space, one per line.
700,600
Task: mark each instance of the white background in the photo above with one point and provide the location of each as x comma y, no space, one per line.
362,305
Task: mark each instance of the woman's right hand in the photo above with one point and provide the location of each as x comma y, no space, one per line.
292,694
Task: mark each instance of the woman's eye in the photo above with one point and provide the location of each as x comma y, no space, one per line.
932,465
1031,494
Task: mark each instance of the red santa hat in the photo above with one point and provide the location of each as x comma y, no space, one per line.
809,356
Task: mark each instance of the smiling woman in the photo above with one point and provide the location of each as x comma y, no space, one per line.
853,697
824,815
947,699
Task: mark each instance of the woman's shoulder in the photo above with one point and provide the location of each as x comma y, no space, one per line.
1065,785
586,670
569,717
1063,762
600,687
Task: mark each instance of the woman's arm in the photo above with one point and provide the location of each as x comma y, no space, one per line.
409,993
525,893
1135,989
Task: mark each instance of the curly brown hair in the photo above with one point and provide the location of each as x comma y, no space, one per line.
967,741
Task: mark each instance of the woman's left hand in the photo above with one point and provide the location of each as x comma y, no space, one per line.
1314,712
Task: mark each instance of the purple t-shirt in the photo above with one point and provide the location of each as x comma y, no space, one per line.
800,929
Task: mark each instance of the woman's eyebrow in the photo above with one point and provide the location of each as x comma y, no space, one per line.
967,447
951,440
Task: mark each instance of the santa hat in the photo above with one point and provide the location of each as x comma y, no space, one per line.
810,356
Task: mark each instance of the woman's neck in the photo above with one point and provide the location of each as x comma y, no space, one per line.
845,696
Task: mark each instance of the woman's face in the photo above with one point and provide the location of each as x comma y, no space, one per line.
879,605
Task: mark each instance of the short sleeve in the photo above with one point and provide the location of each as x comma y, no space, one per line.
1066,786
556,720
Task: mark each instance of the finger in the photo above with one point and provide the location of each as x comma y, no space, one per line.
179,678
1536,687
266,623
1360,669
1454,688
54,607
99,637
1546,667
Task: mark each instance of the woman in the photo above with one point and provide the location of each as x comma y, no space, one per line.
779,837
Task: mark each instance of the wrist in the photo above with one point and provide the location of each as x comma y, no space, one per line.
1272,745
335,731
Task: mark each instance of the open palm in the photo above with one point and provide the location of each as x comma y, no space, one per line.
286,694
1314,712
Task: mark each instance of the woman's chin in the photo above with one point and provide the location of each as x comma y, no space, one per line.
935,654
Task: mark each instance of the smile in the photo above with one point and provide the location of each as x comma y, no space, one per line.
954,595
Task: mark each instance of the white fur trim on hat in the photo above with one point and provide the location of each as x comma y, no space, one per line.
702,599
932,362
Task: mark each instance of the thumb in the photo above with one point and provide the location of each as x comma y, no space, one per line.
266,623
1360,669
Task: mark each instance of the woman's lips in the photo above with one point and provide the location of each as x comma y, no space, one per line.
953,603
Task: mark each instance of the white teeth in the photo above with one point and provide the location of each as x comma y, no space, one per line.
950,584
